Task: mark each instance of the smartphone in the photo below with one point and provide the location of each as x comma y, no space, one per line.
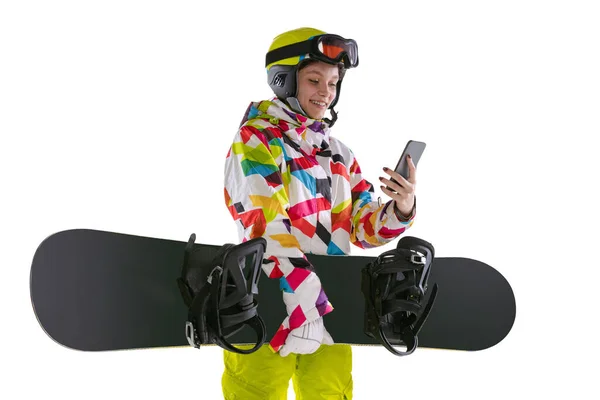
415,149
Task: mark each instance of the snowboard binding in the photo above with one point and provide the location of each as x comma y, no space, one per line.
394,287
220,295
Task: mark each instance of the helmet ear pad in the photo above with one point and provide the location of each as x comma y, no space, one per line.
282,80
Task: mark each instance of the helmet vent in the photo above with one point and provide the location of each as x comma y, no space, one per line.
280,80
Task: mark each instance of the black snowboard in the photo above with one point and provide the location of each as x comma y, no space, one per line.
94,290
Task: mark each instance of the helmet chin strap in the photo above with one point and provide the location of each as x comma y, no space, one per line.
295,106
331,121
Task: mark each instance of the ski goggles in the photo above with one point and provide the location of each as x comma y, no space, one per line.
328,48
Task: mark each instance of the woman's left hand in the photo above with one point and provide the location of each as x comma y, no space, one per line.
403,192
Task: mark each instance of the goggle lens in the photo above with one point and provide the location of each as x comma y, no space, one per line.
334,48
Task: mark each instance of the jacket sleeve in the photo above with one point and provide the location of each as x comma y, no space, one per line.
258,202
373,224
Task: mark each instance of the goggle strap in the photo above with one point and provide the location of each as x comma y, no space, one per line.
291,50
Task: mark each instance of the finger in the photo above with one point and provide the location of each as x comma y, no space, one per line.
397,177
391,184
395,187
395,196
412,170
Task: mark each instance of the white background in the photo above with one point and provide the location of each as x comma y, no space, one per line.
117,115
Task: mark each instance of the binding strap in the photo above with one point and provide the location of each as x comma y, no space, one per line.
222,301
394,287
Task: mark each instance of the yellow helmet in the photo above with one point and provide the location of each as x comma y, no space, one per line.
289,49
288,38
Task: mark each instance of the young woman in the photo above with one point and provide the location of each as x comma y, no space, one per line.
288,180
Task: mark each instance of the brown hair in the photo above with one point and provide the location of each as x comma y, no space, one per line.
305,63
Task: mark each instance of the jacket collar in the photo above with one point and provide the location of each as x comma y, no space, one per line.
311,135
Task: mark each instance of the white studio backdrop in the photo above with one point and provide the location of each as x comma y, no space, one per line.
117,115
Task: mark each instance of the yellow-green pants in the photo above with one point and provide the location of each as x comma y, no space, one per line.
265,375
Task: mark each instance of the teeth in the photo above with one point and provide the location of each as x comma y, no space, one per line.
319,103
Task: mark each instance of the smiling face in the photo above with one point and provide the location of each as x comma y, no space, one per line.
317,87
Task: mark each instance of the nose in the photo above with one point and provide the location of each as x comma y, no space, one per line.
325,90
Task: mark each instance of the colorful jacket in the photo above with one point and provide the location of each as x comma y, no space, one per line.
289,181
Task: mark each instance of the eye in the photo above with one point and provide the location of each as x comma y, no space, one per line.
333,84
315,81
